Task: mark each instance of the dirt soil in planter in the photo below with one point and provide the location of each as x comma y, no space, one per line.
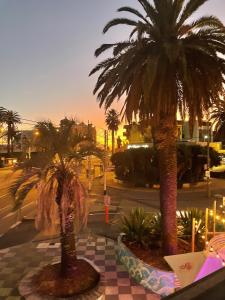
48,281
154,257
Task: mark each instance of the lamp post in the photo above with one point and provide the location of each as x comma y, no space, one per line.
208,158
105,161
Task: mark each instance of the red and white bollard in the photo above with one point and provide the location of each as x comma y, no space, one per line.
107,201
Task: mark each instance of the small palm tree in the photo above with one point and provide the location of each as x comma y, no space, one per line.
167,63
218,118
11,119
112,122
60,191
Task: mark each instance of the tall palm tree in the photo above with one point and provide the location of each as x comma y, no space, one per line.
218,119
2,112
112,121
11,119
59,190
168,63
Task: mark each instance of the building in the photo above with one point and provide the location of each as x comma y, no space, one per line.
85,130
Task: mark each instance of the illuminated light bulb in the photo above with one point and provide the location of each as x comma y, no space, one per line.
223,220
207,243
211,249
223,264
203,237
199,231
218,217
221,206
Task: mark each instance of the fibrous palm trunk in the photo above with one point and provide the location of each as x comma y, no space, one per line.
68,246
165,140
9,139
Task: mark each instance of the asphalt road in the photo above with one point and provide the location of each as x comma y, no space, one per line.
8,217
122,200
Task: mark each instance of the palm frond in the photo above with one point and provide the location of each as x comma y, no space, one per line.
119,21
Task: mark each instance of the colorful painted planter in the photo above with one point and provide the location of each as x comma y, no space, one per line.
158,281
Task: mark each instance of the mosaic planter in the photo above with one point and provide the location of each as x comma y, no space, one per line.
158,281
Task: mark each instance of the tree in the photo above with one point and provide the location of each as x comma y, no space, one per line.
218,118
112,122
168,63
59,191
11,119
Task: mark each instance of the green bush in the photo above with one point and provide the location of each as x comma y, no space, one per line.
140,166
142,228
185,219
137,227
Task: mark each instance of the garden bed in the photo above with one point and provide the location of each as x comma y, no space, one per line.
162,282
49,282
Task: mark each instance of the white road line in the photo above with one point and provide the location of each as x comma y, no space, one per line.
14,212
9,215
14,225
3,196
5,207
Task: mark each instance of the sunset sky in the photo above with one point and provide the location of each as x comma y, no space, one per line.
47,50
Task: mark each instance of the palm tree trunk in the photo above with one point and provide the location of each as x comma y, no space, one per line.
165,139
68,246
113,141
8,139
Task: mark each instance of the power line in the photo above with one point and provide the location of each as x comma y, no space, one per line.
29,120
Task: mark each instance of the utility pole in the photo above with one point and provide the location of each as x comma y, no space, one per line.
89,161
105,160
107,199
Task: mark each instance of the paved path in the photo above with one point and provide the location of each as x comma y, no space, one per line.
16,262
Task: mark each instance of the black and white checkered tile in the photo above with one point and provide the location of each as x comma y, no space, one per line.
17,261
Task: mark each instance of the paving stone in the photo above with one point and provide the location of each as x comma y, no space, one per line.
16,262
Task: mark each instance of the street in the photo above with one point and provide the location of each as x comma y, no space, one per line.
122,201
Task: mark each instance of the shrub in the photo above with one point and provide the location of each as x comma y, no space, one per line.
140,166
137,227
185,219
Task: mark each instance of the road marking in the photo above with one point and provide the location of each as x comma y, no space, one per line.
3,196
5,207
14,225
14,212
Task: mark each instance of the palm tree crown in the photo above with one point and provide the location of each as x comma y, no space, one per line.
218,118
167,62
112,120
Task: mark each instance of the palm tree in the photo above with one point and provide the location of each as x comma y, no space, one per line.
168,63
218,118
59,191
112,122
2,111
11,119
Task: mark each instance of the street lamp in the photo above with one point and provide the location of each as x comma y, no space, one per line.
207,137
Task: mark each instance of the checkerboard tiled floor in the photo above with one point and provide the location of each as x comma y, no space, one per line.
17,261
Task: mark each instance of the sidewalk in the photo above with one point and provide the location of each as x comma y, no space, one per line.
215,184
115,283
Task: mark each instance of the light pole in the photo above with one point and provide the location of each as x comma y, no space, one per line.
105,161
208,158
